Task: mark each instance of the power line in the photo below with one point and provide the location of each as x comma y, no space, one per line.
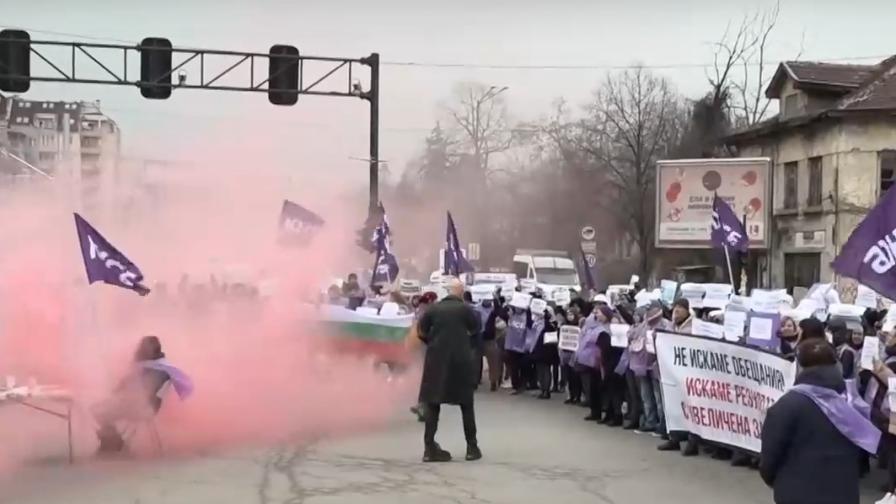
490,66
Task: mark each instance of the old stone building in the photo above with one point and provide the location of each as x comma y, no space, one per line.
833,152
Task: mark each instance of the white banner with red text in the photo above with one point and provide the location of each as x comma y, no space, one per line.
719,390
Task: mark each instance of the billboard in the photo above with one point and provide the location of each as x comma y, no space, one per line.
685,190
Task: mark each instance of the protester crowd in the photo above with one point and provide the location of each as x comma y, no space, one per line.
621,387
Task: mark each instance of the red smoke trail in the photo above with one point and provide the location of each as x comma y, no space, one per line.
259,376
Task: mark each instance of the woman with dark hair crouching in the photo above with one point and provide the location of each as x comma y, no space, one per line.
137,396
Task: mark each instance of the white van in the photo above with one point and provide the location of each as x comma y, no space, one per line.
551,271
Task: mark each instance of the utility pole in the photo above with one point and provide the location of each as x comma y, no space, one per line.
374,97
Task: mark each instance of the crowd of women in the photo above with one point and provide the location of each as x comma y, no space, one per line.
620,386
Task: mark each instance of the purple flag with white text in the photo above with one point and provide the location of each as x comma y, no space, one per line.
455,262
104,263
727,229
385,267
869,255
298,224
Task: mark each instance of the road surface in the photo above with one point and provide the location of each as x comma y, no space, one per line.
535,452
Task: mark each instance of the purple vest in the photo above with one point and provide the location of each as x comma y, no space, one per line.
515,340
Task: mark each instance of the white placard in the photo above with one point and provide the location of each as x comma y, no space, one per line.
481,292
761,328
719,391
870,348
528,285
693,293
562,297
766,301
538,305
668,288
551,338
569,338
633,280
735,322
619,335
520,300
708,329
649,343
717,295
846,310
891,393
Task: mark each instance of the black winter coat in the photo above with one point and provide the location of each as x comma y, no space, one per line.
546,354
449,367
805,459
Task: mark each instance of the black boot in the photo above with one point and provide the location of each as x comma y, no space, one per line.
435,453
669,446
473,452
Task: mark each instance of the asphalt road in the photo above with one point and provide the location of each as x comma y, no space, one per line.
535,452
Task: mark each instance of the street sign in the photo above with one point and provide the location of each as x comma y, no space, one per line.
588,233
473,251
589,247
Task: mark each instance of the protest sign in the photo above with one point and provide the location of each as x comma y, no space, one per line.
520,300
870,349
767,301
718,390
693,293
528,285
735,323
708,329
569,338
717,295
866,297
763,329
538,305
668,288
551,337
619,335
562,297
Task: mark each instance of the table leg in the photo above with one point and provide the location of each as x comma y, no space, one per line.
71,448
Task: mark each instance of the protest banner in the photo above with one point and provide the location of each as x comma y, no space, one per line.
717,390
569,338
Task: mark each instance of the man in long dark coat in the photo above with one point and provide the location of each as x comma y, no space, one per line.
449,372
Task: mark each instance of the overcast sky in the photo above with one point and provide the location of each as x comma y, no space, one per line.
323,132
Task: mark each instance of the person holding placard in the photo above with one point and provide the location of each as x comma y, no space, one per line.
490,339
642,364
589,361
519,321
787,335
545,354
568,376
682,322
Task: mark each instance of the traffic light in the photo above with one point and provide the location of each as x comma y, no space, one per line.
15,61
155,68
283,75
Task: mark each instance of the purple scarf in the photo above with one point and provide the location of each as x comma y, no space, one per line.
182,383
588,354
845,418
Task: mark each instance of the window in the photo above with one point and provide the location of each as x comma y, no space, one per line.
791,105
887,160
791,185
801,270
815,182
47,156
90,142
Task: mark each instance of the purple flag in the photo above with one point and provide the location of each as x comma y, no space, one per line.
586,270
727,229
297,223
385,268
869,255
455,262
104,263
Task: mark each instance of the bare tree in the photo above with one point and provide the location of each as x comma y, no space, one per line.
481,114
636,119
739,75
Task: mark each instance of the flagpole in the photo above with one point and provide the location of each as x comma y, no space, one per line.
728,262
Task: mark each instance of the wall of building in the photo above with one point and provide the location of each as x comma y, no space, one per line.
850,186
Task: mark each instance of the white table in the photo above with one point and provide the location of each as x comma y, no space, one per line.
52,400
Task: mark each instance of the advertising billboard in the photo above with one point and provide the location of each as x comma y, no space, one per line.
685,190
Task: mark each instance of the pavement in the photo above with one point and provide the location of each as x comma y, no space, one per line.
535,452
